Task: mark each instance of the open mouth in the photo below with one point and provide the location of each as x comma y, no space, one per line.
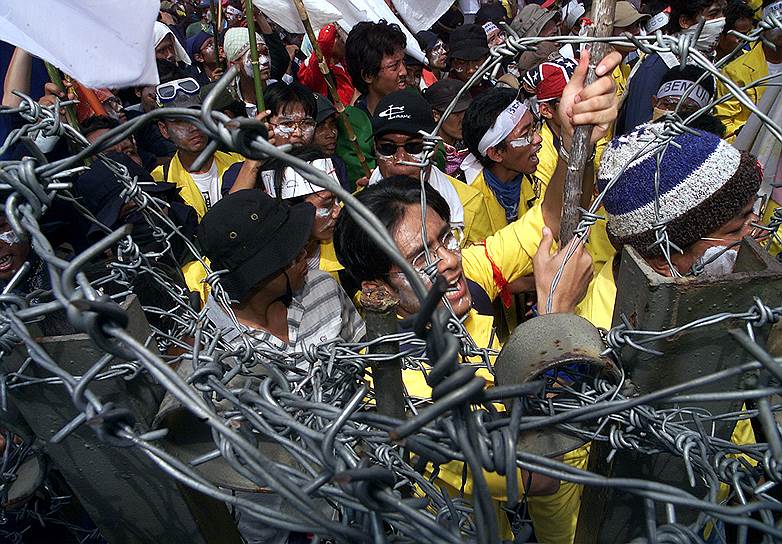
456,290
5,263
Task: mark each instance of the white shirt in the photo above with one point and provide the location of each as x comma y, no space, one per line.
209,185
439,180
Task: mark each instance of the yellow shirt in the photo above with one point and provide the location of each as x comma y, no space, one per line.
511,250
188,189
477,220
533,189
743,70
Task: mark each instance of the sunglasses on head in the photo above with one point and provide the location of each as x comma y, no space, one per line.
166,92
388,149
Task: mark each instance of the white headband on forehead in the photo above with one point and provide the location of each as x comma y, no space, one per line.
678,87
294,184
503,126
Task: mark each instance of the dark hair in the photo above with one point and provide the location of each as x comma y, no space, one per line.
480,117
737,9
690,72
97,122
708,122
366,46
169,71
281,94
687,8
388,199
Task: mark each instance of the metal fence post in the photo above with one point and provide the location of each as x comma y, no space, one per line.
128,498
653,302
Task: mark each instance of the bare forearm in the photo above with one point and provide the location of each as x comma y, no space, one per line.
17,78
247,177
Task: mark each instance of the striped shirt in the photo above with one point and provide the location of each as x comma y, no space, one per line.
321,312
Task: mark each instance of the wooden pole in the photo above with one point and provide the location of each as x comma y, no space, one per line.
248,9
603,17
70,111
332,87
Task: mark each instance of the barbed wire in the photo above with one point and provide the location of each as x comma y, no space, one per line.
303,425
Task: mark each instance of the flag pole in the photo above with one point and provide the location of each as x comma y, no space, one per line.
70,111
603,17
332,87
248,8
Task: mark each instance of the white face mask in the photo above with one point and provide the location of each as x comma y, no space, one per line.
724,260
710,34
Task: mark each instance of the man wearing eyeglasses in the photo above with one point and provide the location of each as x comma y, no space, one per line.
200,188
398,119
479,274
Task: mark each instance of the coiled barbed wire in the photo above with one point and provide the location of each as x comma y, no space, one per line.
315,405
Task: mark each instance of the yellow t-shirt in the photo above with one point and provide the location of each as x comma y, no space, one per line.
743,70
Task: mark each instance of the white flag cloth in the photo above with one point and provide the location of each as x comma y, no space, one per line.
344,12
421,15
101,43
284,13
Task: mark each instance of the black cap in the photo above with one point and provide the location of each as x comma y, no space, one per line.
100,189
491,12
404,112
325,108
427,39
468,42
253,235
442,92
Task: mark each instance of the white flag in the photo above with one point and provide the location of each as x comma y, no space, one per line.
100,43
284,13
421,15
345,12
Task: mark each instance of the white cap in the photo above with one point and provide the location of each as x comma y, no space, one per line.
294,184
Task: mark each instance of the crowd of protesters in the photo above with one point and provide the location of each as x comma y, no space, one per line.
294,263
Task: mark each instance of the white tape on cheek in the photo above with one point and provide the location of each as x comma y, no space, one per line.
504,125
10,237
322,212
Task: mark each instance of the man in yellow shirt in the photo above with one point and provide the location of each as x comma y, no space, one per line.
200,188
707,201
759,62
479,274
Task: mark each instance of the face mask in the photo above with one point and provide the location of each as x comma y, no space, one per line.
724,260
659,113
709,35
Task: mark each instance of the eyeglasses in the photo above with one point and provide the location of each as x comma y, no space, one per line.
387,150
166,92
451,241
289,126
523,141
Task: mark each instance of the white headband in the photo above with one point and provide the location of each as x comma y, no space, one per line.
657,22
503,126
294,184
678,87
